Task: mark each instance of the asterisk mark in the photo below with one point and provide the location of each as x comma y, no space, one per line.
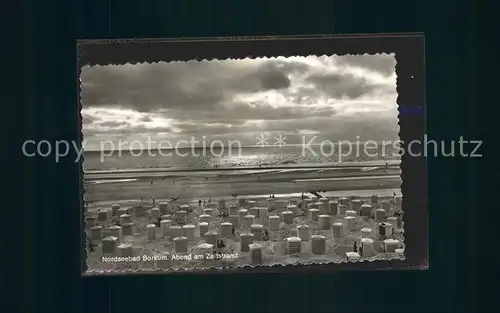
262,140
280,140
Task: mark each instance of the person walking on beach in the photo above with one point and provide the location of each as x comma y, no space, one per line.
209,199
199,203
204,201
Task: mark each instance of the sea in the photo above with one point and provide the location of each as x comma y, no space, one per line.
198,158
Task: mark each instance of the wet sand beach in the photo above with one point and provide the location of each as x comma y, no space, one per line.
136,185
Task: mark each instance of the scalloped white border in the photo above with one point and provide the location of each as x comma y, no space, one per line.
195,270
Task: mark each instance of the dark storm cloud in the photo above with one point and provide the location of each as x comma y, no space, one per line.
238,96
342,85
145,119
204,86
274,80
384,64
189,85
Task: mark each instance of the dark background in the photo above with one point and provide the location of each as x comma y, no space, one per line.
48,263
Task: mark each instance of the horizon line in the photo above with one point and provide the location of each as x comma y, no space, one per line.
232,147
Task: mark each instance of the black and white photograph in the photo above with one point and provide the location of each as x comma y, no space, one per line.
241,162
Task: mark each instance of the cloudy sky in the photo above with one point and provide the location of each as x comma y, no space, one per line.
334,98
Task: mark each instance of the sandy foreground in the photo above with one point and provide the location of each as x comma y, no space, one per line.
157,250
221,194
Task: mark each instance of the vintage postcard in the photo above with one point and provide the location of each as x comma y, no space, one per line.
199,164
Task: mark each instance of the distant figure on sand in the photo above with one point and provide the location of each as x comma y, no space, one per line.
173,181
151,182
233,231
199,202
209,200
204,201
